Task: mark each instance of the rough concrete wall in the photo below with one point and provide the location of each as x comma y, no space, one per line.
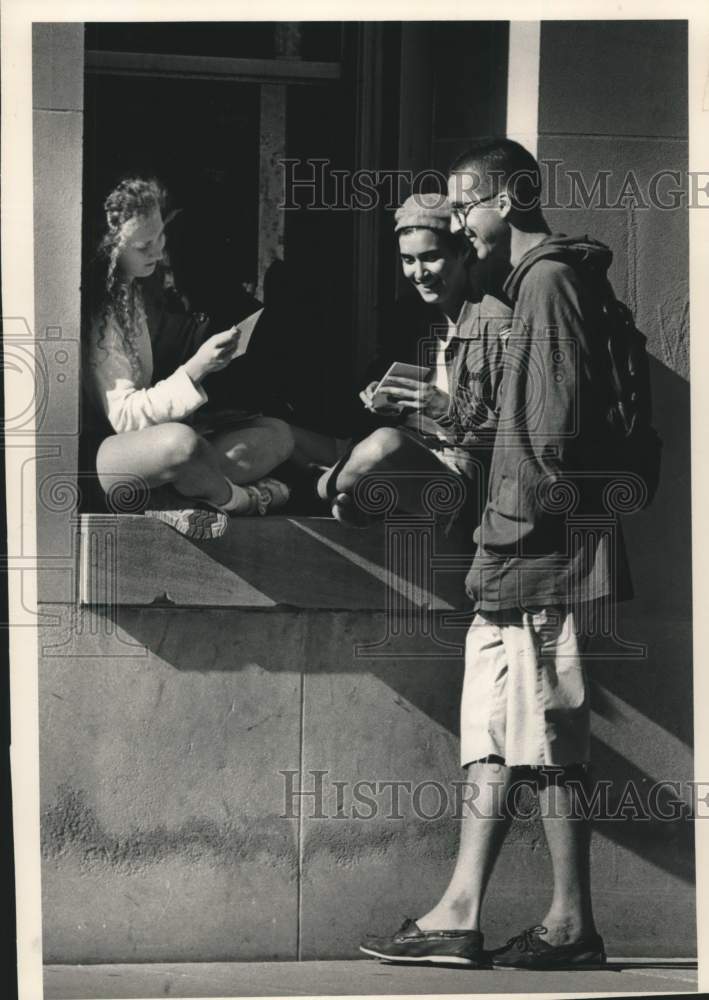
160,783
58,93
168,833
162,744
616,101
629,122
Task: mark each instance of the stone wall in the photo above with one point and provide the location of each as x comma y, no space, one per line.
168,723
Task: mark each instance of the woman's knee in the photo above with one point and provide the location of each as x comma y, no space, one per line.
178,446
151,457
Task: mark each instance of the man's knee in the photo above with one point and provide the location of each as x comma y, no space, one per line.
381,445
281,441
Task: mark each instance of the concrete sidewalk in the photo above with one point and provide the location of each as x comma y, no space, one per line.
342,978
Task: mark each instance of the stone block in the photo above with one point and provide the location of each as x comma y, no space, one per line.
302,562
613,78
57,207
162,821
58,66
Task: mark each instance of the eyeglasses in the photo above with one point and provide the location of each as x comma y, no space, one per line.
461,212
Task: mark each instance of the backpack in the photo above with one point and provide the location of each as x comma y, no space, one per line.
629,408
633,445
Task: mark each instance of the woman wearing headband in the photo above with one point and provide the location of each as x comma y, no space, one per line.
445,422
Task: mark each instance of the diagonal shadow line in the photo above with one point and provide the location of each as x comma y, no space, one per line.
405,588
663,696
312,563
667,844
433,687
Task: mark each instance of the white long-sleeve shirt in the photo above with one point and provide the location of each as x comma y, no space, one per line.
122,388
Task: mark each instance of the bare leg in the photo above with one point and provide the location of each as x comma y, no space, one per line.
312,448
389,450
570,915
248,453
167,453
483,827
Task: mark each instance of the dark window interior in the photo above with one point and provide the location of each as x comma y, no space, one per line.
318,40
201,138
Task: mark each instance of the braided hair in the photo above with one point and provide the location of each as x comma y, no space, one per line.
134,198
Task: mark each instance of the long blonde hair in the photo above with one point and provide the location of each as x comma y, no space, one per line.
112,297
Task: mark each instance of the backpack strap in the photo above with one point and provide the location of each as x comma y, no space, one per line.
606,314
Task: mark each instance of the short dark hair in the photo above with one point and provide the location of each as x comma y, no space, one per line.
508,165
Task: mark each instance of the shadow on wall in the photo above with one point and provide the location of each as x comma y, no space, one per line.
642,706
660,539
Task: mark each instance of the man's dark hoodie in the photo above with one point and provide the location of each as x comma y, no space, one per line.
546,536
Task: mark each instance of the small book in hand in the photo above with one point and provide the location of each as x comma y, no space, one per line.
417,373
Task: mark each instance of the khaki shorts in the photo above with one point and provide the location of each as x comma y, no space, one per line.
525,693
458,460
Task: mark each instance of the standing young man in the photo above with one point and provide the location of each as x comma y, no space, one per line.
544,564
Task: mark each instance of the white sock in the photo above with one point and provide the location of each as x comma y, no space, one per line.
238,501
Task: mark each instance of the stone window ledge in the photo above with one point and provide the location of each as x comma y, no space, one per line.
274,562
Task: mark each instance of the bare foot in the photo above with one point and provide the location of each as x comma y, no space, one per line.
444,919
560,931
